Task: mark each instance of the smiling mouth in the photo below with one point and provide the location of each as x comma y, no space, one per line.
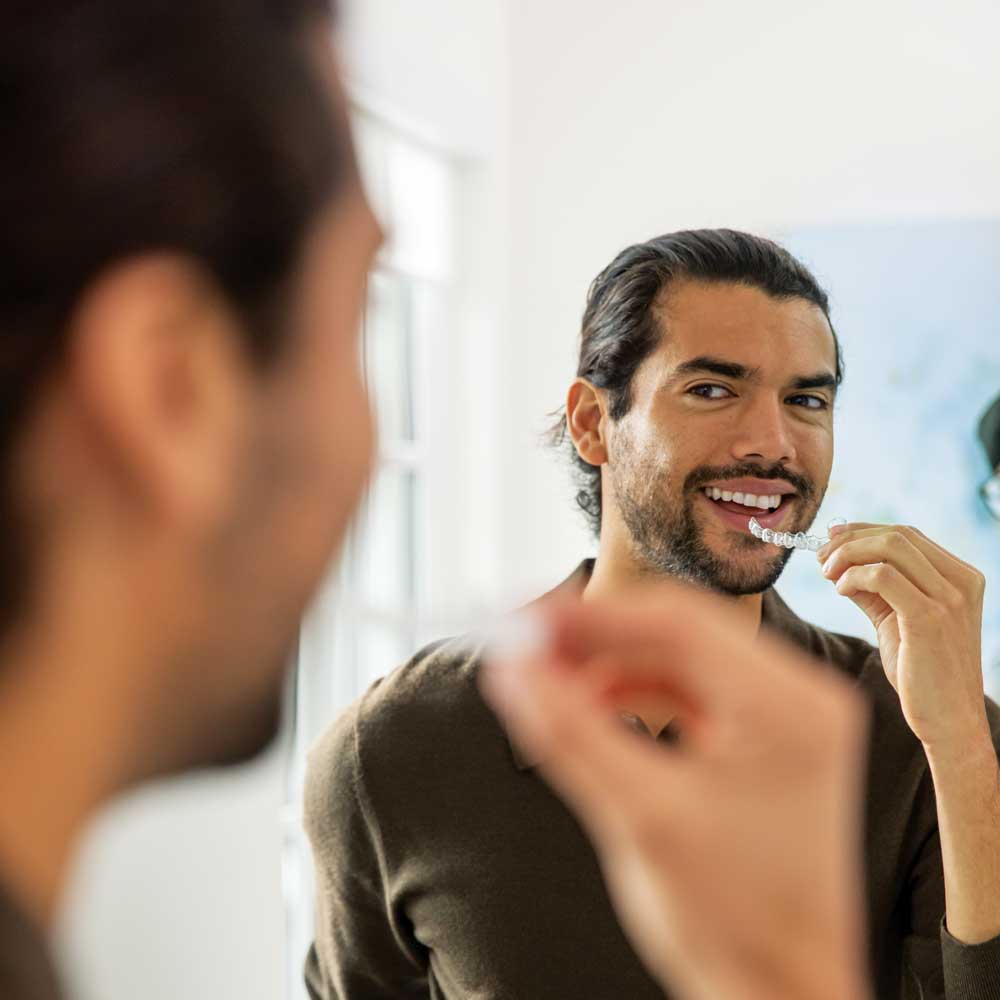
737,508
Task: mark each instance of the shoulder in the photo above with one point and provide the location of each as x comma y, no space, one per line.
860,660
402,718
434,689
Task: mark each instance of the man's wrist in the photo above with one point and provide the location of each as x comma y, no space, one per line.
966,769
970,750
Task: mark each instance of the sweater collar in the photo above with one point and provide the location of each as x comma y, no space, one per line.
776,616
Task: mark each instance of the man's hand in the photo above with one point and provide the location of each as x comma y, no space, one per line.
732,858
927,608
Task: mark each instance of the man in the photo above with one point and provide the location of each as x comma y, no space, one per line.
705,394
185,431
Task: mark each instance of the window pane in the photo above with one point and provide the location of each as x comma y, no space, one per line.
419,195
370,142
387,560
381,648
389,347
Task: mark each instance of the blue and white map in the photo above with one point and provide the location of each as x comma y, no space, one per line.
917,310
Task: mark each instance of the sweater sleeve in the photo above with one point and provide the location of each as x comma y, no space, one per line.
937,966
363,949
972,971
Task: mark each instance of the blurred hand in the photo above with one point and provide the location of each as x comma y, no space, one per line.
732,859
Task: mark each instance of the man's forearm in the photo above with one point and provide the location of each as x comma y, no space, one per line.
967,788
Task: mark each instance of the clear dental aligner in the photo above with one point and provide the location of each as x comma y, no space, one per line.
786,539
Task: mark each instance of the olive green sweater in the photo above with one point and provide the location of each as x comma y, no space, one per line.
446,868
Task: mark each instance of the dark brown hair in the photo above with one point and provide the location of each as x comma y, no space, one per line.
200,127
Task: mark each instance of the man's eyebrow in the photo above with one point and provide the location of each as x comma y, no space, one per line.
704,364
714,366
821,380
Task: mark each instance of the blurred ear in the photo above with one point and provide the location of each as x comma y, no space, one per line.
157,373
585,421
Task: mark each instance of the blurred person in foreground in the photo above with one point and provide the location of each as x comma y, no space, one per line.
707,382
185,428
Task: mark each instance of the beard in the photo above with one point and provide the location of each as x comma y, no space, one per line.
668,540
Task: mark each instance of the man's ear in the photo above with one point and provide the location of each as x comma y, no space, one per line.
585,417
157,374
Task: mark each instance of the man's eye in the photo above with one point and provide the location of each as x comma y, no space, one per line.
809,402
710,391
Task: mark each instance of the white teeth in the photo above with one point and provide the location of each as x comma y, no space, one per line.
762,502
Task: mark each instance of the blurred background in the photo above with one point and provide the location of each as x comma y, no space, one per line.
512,148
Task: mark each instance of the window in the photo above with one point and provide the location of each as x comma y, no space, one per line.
371,613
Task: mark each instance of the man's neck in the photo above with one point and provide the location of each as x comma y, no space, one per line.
615,573
61,749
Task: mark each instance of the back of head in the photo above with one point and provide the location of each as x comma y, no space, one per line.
989,433
619,329
197,128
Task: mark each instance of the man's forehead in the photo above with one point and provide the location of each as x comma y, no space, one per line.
742,324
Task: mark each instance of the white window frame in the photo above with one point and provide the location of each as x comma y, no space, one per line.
328,673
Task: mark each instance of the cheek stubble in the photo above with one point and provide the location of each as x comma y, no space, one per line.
668,538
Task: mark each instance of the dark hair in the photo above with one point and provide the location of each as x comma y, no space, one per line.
620,331
989,433
203,128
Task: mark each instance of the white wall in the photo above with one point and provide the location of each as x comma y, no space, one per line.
644,116
177,894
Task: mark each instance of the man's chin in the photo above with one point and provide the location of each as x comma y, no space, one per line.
748,573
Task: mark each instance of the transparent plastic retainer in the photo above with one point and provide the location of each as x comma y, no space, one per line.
787,540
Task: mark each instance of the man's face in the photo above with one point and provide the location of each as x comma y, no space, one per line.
738,396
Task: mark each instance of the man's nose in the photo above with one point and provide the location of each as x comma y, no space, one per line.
764,433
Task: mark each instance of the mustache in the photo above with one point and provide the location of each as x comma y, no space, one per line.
749,470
